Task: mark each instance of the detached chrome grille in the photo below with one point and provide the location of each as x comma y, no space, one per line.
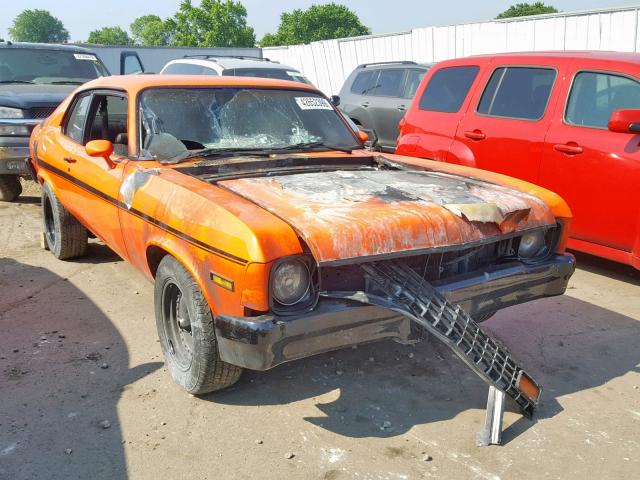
40,112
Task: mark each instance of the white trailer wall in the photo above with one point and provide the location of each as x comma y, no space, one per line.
328,63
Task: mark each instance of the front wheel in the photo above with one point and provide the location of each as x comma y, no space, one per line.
187,334
64,235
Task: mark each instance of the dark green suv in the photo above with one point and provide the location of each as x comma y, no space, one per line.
34,79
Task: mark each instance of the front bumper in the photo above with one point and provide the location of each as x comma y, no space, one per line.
260,343
14,151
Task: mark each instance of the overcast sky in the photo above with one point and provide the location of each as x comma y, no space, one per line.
80,17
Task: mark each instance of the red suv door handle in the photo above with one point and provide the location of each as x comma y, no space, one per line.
475,135
570,148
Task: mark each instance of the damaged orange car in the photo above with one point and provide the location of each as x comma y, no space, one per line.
272,234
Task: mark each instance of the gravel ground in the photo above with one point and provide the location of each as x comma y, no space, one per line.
84,393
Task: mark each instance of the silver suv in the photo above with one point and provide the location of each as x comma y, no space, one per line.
236,66
377,95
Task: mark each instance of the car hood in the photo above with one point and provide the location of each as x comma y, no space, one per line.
38,95
344,215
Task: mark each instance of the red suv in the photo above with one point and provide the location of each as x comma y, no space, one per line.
568,121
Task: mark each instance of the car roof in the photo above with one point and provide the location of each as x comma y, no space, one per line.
45,46
566,54
136,83
234,62
392,64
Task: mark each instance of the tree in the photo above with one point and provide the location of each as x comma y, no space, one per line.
318,22
109,36
216,23
527,9
151,30
38,26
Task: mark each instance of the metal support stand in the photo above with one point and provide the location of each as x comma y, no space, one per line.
492,432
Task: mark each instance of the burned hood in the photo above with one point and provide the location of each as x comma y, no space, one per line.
345,214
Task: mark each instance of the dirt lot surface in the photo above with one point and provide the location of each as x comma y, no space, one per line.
84,394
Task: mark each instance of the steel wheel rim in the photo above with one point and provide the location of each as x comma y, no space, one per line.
177,325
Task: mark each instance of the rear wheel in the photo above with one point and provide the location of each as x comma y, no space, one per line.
63,234
187,334
10,188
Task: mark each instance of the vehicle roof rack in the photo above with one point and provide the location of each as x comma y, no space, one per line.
239,57
398,62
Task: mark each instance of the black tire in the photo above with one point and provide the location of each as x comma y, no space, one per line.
187,334
10,188
63,234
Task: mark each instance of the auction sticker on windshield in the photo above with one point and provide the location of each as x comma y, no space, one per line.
313,103
85,56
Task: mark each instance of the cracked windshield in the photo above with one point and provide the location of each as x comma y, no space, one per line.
182,123
53,67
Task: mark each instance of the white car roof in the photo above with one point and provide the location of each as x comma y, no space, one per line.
223,63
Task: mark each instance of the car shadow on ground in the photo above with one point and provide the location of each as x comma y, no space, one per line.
55,395
384,389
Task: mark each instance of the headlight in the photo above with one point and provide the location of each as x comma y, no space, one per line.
8,112
532,245
290,282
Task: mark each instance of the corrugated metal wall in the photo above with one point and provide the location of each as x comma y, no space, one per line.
328,63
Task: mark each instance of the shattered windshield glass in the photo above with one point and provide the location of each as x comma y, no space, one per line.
178,123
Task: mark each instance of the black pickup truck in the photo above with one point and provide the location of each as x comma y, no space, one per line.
34,79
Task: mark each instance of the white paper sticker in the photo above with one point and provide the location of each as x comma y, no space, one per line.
313,103
85,56
293,74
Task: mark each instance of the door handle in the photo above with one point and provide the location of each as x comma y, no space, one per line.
475,135
570,148
365,104
69,160
402,108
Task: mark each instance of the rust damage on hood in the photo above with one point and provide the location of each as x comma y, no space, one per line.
348,214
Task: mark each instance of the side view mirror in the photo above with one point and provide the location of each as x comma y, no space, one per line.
335,100
625,121
363,136
101,148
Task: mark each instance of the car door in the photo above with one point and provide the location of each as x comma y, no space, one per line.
355,100
428,128
388,105
509,118
92,186
595,170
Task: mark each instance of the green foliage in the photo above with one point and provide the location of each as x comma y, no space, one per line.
151,30
38,26
318,22
215,23
527,9
109,36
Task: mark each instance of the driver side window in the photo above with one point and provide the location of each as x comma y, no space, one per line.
108,121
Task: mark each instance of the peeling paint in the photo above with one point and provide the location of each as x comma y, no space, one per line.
135,181
349,214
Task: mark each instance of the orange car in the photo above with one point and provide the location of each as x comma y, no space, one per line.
268,228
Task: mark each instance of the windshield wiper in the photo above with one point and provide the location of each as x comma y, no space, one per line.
259,152
306,145
16,81
216,152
